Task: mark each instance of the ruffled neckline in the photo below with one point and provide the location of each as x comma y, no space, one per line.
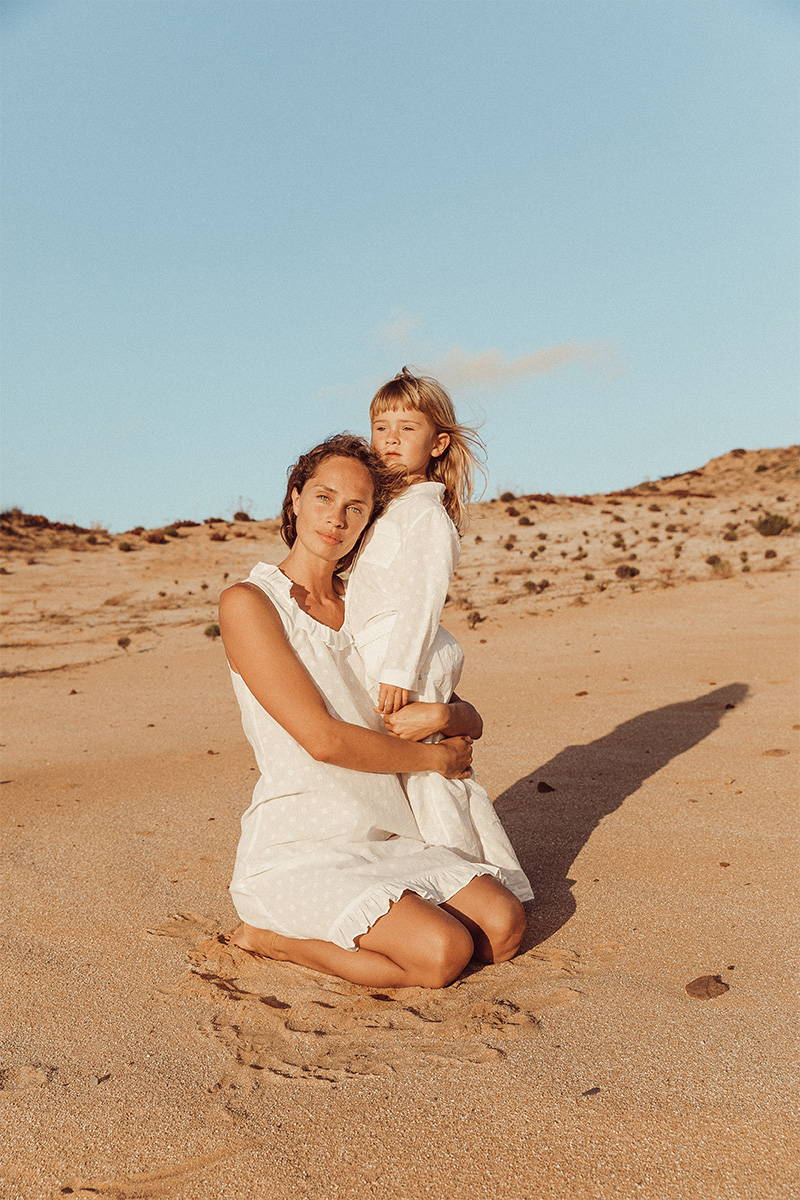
269,573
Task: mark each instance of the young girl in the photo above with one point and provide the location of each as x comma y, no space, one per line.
395,596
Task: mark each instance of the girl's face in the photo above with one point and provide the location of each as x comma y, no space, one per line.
334,507
406,438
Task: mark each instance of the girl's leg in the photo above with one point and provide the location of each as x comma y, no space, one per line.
494,917
415,944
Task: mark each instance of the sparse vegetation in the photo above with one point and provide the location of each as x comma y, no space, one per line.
772,524
626,572
507,497
125,547
242,516
212,630
123,642
156,538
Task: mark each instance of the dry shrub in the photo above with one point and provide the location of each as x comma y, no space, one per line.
772,524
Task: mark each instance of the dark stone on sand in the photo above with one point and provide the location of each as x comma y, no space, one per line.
707,987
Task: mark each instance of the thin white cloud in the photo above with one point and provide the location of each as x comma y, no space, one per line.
459,368
399,328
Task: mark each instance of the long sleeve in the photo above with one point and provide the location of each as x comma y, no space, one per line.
421,574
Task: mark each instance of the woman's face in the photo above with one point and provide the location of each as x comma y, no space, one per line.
334,507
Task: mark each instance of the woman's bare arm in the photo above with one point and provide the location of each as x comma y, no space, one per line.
258,650
420,719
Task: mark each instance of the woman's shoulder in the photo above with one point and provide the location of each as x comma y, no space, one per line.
246,595
264,587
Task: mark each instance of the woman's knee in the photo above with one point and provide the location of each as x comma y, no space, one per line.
504,925
446,952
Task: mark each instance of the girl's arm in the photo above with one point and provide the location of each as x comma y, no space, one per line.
258,650
419,720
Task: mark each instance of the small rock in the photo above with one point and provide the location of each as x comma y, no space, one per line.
544,787
706,987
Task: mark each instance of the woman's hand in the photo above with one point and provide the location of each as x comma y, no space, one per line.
455,756
417,721
391,699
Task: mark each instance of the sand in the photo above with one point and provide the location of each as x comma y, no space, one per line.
642,743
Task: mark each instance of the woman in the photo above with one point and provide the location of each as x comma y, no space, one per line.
330,871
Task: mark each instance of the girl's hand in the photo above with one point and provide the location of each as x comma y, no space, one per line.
416,720
455,755
391,699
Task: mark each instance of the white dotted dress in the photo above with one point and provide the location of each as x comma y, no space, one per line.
325,850
395,596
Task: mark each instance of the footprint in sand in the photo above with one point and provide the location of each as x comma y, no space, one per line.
320,1028
29,1075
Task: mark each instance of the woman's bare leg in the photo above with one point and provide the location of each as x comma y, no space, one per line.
415,944
492,914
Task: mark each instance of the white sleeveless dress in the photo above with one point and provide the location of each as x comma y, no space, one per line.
325,850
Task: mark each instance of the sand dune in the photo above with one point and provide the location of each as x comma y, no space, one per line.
642,743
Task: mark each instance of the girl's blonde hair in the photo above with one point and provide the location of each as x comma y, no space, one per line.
456,466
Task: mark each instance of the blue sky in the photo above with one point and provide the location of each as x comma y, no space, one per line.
226,223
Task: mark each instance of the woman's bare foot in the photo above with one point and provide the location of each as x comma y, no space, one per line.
263,942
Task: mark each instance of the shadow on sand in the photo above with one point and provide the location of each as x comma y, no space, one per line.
590,782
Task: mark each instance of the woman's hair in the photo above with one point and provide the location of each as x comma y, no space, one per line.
341,445
455,467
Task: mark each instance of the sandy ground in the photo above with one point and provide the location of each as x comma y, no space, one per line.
140,1057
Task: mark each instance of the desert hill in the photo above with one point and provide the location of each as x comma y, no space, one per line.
74,595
